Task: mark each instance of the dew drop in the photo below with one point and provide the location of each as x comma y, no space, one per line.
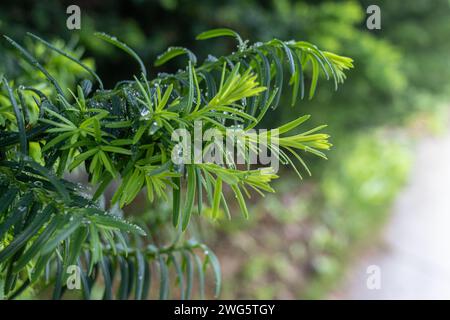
38,184
145,112
154,127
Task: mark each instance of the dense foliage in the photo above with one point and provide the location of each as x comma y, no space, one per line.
122,136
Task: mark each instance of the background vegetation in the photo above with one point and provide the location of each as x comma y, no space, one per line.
297,244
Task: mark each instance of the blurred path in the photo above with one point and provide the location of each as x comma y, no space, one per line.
414,255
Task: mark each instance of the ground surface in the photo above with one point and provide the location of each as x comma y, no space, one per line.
413,255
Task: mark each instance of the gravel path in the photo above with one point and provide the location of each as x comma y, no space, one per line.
414,254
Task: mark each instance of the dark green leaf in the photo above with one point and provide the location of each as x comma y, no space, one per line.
114,222
122,293
16,214
212,259
176,197
201,276
164,279
190,196
104,266
7,199
30,231
19,117
173,52
140,261
65,232
220,32
34,249
189,275
51,177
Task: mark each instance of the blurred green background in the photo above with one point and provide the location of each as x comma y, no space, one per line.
299,241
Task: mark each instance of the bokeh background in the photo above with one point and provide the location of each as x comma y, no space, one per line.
382,197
